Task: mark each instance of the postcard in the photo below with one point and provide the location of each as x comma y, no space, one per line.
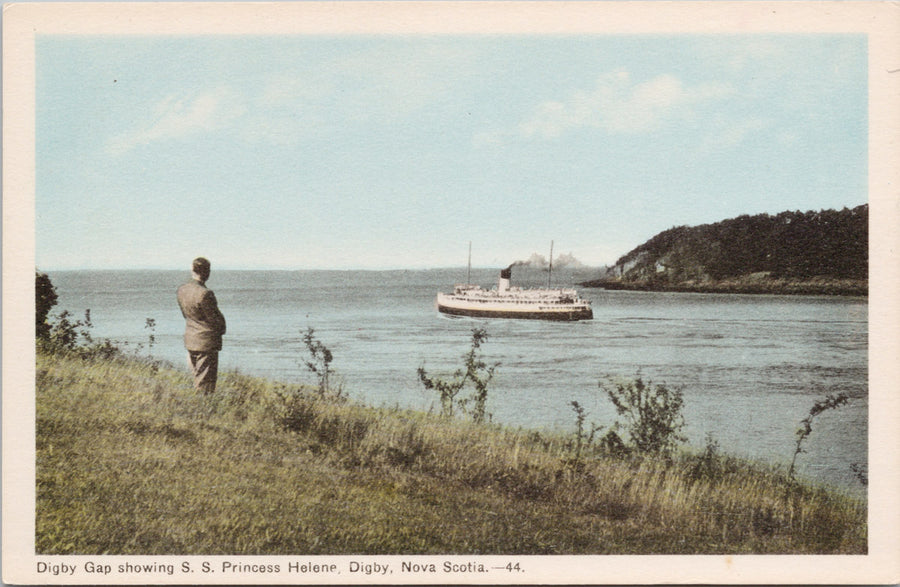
450,292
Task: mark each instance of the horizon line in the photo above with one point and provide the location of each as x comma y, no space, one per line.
287,269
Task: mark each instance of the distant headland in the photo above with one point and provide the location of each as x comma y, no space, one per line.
811,253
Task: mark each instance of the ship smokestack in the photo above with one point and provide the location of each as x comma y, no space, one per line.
503,284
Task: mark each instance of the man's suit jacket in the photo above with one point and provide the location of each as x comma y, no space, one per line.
204,323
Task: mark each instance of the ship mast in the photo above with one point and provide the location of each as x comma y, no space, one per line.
550,273
469,266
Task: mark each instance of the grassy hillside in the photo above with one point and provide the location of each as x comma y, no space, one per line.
130,460
824,252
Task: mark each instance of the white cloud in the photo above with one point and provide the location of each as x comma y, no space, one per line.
618,105
365,87
725,134
390,83
176,117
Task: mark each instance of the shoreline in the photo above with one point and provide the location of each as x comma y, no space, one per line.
816,287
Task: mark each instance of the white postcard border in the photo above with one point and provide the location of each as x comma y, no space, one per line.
880,21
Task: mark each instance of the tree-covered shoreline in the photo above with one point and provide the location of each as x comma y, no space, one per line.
809,253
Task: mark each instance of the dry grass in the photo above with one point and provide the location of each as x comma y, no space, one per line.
131,460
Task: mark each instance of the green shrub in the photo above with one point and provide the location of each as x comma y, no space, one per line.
652,413
67,335
830,402
582,439
476,371
613,445
319,363
45,298
708,465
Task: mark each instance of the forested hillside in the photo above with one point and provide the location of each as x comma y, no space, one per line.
792,252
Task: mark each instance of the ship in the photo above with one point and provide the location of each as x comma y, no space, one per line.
505,301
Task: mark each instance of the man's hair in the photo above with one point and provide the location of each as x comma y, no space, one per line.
200,266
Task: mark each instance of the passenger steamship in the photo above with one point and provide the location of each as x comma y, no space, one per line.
513,302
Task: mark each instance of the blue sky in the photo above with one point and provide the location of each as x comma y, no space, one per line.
396,151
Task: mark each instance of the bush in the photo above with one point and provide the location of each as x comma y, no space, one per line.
319,363
66,334
708,465
45,298
582,439
612,444
476,371
652,413
830,402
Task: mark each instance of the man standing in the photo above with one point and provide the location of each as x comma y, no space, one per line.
204,326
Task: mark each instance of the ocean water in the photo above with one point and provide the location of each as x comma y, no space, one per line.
751,367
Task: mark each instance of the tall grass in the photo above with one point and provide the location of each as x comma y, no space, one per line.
131,460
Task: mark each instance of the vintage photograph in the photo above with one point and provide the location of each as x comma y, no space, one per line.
453,292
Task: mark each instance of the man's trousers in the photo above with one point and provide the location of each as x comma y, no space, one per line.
205,365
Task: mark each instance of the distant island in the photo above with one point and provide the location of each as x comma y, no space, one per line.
821,253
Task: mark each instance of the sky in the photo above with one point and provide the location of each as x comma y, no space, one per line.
397,151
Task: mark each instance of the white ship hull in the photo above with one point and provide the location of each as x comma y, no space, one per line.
513,302
499,308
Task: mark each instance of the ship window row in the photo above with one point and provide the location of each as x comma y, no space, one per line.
543,302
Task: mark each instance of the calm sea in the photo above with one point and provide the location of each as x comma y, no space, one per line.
751,366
